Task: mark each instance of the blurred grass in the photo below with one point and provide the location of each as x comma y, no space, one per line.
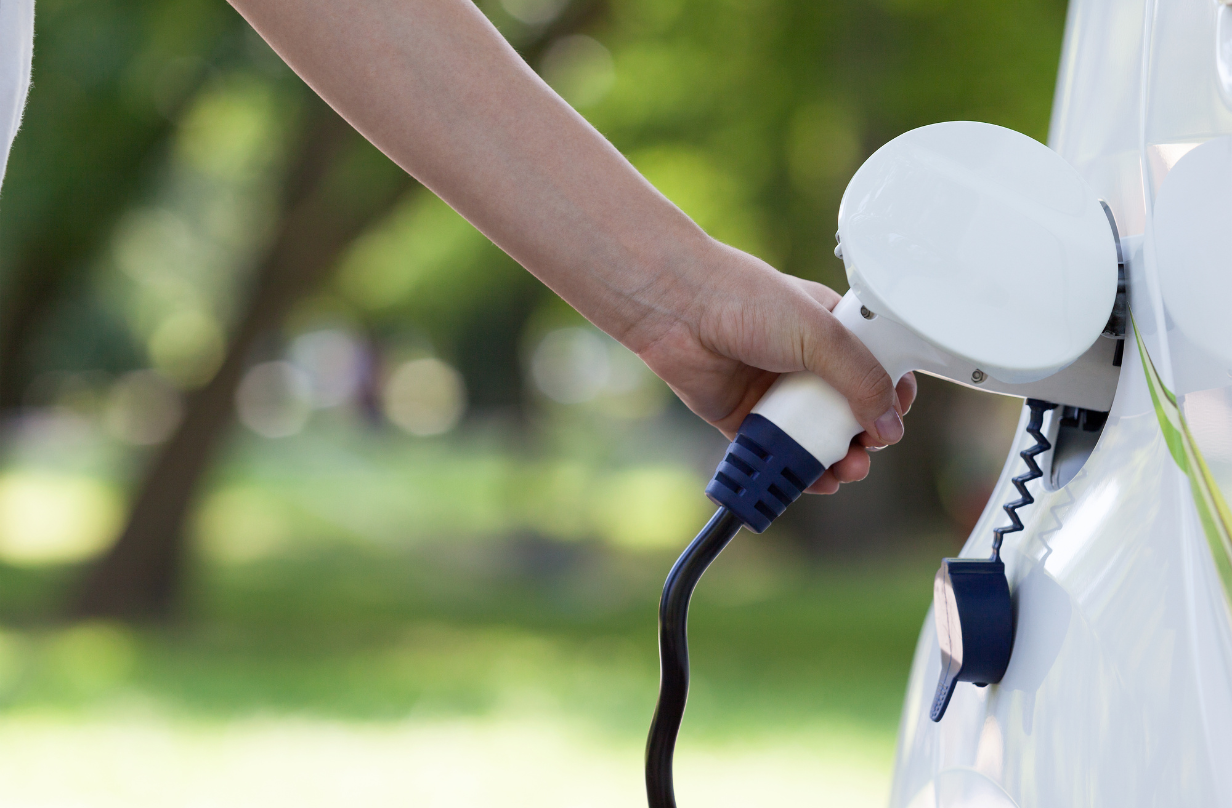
521,647
467,620
377,637
394,621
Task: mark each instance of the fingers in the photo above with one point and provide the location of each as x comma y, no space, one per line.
822,294
833,353
836,355
906,391
827,349
827,483
852,468
877,403
753,317
856,464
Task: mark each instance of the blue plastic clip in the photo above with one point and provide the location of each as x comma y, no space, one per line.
975,625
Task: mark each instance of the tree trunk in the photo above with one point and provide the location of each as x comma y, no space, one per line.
140,576
39,282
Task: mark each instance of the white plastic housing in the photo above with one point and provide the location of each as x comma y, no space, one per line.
817,417
979,255
985,243
812,412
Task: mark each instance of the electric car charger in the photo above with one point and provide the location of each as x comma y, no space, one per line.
975,254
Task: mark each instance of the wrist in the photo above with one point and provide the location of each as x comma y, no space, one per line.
680,275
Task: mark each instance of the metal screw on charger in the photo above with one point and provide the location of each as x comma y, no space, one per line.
978,376
866,314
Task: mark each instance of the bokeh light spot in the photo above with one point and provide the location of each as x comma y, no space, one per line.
580,69
274,399
241,525
50,518
334,361
571,365
425,397
650,507
91,657
187,348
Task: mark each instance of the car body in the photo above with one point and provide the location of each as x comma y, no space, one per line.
1119,689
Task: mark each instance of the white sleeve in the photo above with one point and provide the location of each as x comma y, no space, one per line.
16,48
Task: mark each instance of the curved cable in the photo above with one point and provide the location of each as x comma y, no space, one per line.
1038,408
674,652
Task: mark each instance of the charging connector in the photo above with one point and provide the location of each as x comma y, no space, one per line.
944,293
763,471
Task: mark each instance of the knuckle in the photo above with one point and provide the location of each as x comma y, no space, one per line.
875,388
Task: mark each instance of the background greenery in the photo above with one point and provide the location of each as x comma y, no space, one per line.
422,565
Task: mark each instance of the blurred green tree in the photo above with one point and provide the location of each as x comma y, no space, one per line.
111,78
335,188
750,115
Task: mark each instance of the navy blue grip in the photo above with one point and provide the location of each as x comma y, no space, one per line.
763,472
985,621
986,614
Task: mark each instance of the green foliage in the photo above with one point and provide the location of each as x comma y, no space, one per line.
107,77
751,116
425,258
455,576
110,78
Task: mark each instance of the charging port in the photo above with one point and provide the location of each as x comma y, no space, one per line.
1075,432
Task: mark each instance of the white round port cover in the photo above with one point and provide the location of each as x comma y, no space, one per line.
1193,246
984,242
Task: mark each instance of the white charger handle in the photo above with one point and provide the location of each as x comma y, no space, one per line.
817,416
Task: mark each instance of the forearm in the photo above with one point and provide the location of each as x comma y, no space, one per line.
434,85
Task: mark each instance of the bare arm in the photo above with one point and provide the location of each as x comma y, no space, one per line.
437,88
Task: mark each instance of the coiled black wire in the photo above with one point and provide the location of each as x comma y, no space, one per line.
674,652
1034,425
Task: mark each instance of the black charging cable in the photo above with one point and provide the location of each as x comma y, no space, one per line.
674,652
763,471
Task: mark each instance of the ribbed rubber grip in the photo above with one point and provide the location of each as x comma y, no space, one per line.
763,472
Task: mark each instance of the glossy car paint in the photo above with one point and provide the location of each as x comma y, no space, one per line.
1119,691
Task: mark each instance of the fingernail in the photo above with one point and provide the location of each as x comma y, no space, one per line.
889,427
873,448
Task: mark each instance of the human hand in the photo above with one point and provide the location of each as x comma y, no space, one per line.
722,340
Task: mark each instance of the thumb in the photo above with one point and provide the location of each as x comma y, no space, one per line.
836,355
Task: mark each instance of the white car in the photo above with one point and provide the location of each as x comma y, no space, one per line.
1119,689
